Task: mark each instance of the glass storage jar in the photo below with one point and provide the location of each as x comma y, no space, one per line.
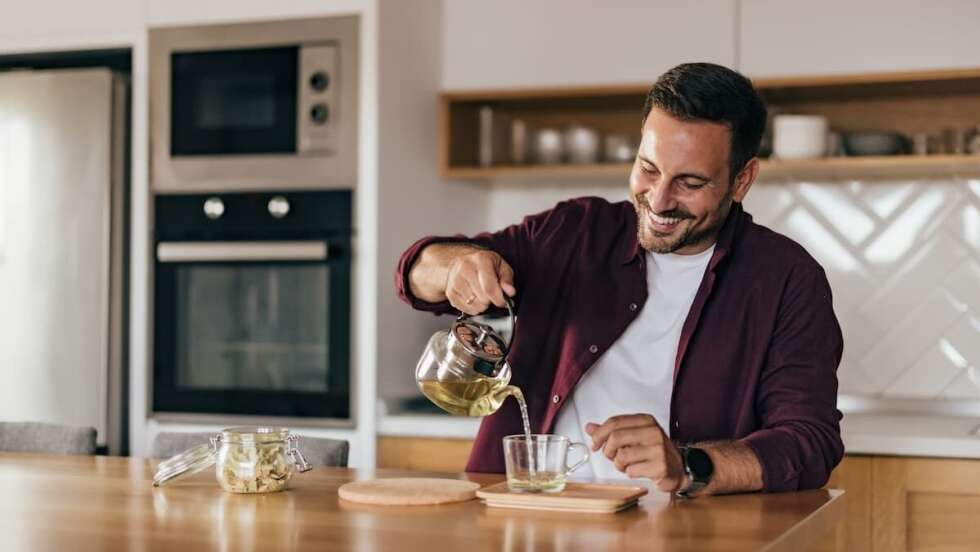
246,459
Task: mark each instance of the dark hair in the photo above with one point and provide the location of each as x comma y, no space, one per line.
710,92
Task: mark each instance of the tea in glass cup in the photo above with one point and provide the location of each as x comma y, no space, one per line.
542,466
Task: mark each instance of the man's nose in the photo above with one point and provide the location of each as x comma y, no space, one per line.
660,197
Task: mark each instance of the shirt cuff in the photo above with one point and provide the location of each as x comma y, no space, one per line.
775,449
405,265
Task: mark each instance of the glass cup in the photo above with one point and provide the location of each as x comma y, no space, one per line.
550,462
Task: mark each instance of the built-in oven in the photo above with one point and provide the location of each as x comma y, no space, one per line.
254,105
252,304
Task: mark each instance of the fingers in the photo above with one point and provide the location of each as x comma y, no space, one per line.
647,435
474,282
490,287
602,432
654,470
632,454
463,298
506,276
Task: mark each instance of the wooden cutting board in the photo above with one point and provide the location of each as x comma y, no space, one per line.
577,497
408,491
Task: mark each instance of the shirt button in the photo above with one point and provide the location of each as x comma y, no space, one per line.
676,424
633,307
556,399
593,349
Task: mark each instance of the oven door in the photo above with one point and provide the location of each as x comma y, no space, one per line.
256,328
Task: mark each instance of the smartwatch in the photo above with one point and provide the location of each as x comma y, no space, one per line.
698,465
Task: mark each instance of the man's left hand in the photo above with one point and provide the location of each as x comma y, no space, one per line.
639,448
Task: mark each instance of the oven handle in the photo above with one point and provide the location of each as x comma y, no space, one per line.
213,251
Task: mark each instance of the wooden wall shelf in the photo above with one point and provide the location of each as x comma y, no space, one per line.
907,102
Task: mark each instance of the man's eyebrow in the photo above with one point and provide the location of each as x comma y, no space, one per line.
682,175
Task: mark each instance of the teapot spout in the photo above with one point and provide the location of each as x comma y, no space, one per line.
498,396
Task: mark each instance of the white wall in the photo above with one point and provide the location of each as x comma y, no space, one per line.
520,43
510,202
412,201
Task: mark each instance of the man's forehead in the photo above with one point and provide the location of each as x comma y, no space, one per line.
669,139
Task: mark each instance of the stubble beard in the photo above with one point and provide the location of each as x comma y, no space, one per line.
656,242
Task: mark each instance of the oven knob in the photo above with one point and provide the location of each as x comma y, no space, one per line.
320,113
214,208
278,207
320,81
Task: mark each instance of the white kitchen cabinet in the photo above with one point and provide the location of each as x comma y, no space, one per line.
36,24
798,37
517,44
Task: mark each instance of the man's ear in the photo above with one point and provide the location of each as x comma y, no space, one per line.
745,179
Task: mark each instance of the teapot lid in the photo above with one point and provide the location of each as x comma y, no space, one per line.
479,340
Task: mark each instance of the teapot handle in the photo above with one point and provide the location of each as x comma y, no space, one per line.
513,322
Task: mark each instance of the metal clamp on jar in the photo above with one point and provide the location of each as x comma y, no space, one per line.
246,459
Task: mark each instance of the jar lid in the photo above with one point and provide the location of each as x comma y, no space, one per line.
248,435
186,463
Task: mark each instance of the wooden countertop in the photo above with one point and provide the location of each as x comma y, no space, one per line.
50,502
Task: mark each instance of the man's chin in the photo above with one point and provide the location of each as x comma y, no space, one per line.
661,243
662,247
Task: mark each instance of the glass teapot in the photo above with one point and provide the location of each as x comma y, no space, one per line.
464,369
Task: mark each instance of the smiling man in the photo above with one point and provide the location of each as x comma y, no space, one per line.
686,343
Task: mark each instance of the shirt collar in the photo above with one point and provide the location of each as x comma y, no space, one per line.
726,237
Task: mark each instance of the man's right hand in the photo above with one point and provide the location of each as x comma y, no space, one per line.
477,279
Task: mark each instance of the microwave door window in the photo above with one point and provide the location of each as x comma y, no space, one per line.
252,327
234,102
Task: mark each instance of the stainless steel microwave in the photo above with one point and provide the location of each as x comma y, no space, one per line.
254,106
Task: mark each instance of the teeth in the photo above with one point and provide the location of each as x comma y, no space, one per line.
664,220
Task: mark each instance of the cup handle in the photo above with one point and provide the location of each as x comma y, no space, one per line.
580,463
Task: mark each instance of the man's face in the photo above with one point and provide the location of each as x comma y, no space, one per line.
680,183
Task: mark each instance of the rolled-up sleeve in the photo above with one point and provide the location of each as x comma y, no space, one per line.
514,243
405,264
799,443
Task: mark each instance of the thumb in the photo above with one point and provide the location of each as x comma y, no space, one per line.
506,276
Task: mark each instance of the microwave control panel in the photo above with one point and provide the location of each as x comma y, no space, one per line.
318,98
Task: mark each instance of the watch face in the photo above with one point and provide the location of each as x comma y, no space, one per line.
700,464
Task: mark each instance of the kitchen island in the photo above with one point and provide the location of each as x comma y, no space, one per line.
55,502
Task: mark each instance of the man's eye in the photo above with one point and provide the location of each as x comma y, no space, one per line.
696,185
648,169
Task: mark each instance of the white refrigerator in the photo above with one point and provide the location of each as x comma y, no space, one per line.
63,136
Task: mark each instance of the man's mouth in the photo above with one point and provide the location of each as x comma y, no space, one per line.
663,224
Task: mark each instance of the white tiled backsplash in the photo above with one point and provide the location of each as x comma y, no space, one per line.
903,259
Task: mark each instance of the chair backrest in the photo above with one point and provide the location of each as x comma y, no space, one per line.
325,452
48,438
318,451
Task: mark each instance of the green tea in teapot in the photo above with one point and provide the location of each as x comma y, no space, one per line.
477,397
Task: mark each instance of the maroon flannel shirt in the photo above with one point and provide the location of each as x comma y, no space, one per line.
758,352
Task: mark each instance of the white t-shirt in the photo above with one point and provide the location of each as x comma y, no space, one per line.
635,376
